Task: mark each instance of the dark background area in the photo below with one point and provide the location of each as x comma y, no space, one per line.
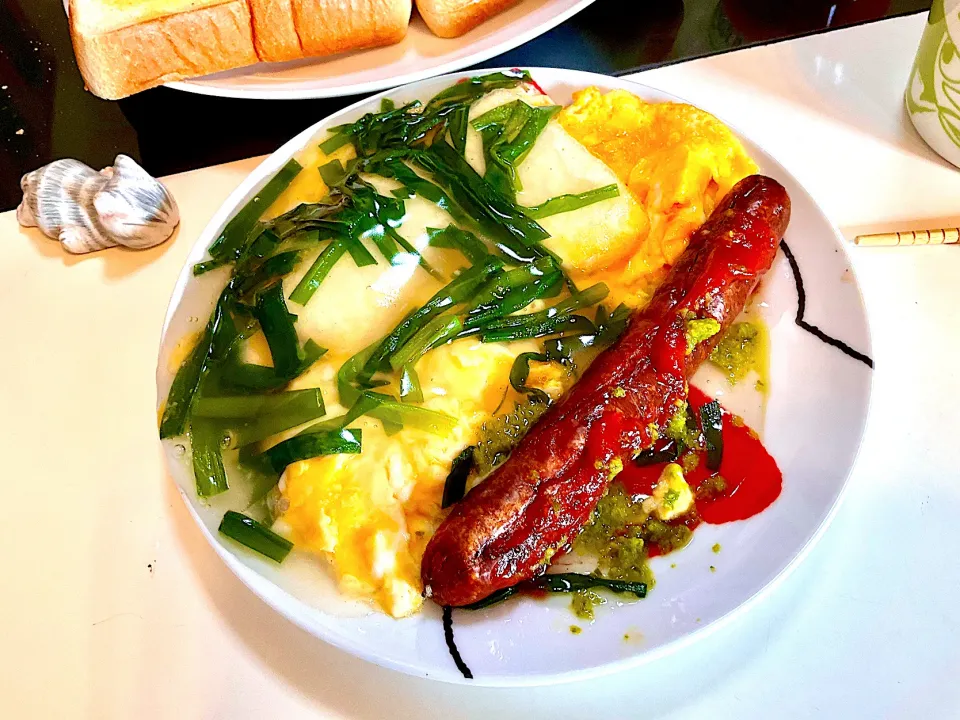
46,114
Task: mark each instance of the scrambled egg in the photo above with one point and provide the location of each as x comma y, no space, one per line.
672,496
371,515
677,161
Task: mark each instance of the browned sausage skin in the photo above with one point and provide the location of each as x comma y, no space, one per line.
507,528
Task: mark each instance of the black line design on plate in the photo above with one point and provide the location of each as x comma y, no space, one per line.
802,306
451,645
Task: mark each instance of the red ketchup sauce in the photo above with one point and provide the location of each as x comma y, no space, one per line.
529,81
753,480
533,82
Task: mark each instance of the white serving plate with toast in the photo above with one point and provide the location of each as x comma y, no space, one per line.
820,381
419,55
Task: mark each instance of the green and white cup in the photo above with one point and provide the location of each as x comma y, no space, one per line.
933,94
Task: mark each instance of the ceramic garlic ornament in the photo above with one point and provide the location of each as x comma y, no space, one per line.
88,210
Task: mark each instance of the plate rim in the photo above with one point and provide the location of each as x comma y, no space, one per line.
433,69
251,578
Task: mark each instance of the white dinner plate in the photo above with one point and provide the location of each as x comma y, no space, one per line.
421,54
820,378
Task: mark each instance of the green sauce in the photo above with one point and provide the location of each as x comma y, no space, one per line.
711,488
615,537
500,435
700,330
625,558
689,461
744,347
619,535
583,603
615,511
667,537
683,428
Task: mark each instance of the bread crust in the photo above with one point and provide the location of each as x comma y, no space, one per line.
275,34
453,18
130,59
144,53
327,27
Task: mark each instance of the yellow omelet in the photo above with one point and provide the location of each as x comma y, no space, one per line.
676,160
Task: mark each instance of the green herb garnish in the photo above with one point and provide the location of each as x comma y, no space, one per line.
389,411
235,234
435,333
251,406
220,331
456,483
318,271
467,243
711,420
259,538
665,452
410,391
510,291
563,583
408,125
558,319
257,417
249,377
569,203
520,371
277,325
206,439
311,445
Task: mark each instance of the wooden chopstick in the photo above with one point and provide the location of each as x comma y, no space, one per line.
940,236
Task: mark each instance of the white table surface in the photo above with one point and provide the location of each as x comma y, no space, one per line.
113,606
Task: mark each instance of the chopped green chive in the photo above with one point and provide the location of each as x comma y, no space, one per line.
568,203
361,256
510,291
184,387
206,439
469,245
350,373
318,271
711,420
217,338
456,483
311,445
277,325
270,270
410,391
572,582
257,417
335,142
235,233
259,538
240,376
250,406
563,583
435,333
520,371
432,421
535,328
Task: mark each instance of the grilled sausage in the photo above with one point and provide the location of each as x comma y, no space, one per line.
508,528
